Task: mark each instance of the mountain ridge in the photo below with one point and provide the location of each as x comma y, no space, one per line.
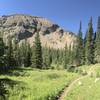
21,26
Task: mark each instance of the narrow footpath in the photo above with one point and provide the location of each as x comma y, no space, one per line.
67,89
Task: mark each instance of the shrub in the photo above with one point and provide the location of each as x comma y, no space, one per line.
97,75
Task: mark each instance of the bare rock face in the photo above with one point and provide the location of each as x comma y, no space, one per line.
24,26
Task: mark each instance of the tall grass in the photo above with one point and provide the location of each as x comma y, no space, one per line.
29,84
89,88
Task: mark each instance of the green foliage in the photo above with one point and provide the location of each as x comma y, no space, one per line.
89,52
97,43
47,57
9,54
25,54
78,53
70,56
2,64
66,57
2,51
87,88
2,47
28,55
3,91
16,53
37,56
79,47
36,84
71,68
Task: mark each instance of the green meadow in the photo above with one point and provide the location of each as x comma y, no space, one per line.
30,84
87,88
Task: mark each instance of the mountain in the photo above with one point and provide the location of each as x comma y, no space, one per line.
22,27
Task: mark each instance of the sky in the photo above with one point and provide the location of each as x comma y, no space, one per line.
66,13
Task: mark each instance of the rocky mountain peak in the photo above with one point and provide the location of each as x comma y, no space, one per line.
22,26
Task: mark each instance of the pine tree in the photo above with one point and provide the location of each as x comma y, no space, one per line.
89,55
70,55
57,57
75,55
79,47
22,53
54,57
2,53
25,54
2,47
37,60
47,57
28,55
3,91
50,57
97,42
10,59
61,56
33,57
16,53
66,56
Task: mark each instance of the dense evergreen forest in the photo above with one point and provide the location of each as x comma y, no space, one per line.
85,51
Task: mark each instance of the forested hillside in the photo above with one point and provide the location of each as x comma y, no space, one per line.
21,55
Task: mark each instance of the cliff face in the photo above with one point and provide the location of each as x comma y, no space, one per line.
25,26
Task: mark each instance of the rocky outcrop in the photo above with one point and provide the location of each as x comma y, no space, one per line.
24,26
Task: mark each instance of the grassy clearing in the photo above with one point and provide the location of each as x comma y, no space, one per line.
29,84
87,88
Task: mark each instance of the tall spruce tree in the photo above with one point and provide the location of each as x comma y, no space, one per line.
16,53
10,58
57,57
75,56
25,54
28,55
2,68
79,47
89,55
61,57
66,56
37,60
47,57
2,49
97,42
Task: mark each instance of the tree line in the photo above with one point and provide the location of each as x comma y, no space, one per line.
85,51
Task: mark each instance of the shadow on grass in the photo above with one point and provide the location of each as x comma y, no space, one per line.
16,71
3,90
10,82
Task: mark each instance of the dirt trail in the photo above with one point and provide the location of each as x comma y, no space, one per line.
67,89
